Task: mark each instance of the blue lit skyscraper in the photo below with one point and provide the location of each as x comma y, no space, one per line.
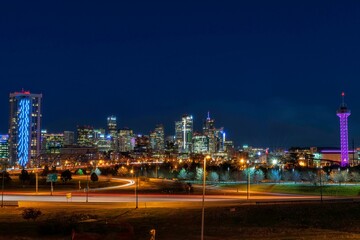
24,127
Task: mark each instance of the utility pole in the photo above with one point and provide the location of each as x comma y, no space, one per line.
2,187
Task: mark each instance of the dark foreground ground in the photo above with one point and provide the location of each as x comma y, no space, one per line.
113,221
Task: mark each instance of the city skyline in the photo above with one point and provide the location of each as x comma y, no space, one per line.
270,73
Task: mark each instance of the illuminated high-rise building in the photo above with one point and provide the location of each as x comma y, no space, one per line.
209,130
183,134
52,142
343,113
112,132
126,140
85,136
201,143
4,147
157,139
112,125
24,127
69,138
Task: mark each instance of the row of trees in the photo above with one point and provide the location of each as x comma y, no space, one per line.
273,175
222,173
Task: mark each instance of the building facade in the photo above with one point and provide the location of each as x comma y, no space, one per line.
24,127
157,139
4,147
184,133
85,136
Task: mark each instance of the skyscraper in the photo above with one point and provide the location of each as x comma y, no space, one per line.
209,130
183,133
24,127
112,131
112,125
343,113
85,136
4,147
69,138
157,140
126,140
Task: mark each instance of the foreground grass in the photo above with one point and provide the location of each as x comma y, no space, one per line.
306,189
300,221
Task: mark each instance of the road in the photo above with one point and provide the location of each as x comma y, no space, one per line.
96,197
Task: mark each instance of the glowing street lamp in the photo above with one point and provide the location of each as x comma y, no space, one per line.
136,194
203,198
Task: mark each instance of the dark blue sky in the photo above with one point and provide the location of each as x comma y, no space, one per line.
270,72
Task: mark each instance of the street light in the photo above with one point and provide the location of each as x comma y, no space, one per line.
248,183
203,198
321,193
136,193
87,187
2,186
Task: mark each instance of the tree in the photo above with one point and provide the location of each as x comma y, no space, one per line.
182,174
355,177
66,175
296,176
46,171
7,177
94,177
213,177
24,176
199,174
122,171
274,175
249,171
225,176
31,213
258,176
339,176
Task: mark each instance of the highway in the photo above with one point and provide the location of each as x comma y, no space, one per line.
94,196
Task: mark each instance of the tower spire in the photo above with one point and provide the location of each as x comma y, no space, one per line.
208,116
343,113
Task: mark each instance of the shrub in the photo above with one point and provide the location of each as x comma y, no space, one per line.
31,213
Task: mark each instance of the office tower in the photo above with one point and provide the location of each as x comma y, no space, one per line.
85,136
52,142
99,134
142,144
69,138
343,113
112,126
209,130
183,134
4,147
201,143
101,141
157,140
112,131
24,127
126,140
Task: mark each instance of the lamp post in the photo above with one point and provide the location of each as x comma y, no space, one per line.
87,187
248,183
36,181
135,189
321,193
203,198
2,186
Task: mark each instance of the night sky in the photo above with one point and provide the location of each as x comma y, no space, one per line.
270,72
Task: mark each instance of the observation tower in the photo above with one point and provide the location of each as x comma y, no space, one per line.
343,113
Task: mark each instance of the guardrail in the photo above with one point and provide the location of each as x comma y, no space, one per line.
10,203
307,201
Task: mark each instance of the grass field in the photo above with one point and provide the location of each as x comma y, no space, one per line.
299,221
306,189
